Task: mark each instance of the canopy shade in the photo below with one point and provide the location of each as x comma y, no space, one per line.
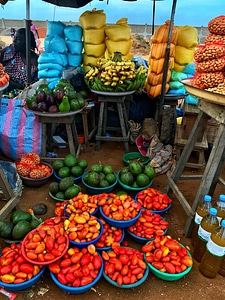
69,3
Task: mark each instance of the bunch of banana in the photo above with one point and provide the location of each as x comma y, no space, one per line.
115,74
92,73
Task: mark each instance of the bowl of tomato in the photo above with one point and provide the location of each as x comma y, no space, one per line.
110,236
19,265
173,268
86,277
125,257
147,227
154,200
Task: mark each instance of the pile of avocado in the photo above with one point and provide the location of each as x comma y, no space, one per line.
68,170
20,223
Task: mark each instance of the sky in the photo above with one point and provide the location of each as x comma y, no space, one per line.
188,12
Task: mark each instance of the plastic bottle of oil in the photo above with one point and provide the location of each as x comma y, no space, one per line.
220,206
215,251
208,224
202,210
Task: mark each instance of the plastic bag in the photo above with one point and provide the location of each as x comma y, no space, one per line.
20,130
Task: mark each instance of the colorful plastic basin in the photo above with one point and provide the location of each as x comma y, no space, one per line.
98,190
77,290
75,179
24,285
31,182
128,286
167,276
108,248
131,156
130,188
85,244
120,224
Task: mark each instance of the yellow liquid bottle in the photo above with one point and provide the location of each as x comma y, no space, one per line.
208,224
214,254
220,206
202,210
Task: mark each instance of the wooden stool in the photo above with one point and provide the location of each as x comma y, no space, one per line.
199,148
118,98
88,135
71,130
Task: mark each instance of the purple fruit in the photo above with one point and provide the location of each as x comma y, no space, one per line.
40,97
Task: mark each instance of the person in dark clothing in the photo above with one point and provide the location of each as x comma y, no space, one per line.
13,58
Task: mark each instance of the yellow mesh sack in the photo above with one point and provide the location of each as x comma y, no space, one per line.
120,31
92,19
94,50
184,55
94,36
122,46
187,36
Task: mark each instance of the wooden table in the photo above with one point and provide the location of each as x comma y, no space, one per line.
47,119
119,98
210,104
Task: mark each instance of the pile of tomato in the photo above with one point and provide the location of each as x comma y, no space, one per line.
120,208
149,225
167,255
153,199
14,268
78,266
124,265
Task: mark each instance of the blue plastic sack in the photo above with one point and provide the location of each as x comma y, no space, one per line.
74,47
55,28
55,43
48,66
190,99
74,60
73,32
49,73
53,57
181,91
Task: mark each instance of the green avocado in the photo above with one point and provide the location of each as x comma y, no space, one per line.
6,228
21,229
65,183
20,215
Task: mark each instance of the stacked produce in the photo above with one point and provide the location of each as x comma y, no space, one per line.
187,40
115,74
54,44
210,63
93,23
30,166
216,65
118,38
4,77
62,98
156,60
74,44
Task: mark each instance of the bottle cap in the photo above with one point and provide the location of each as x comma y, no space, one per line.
213,211
222,197
222,223
207,198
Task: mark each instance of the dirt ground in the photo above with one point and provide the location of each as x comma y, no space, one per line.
192,286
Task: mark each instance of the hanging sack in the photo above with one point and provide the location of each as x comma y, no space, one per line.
20,130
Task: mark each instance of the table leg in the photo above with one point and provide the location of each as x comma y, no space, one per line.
44,139
70,139
188,148
122,116
100,124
